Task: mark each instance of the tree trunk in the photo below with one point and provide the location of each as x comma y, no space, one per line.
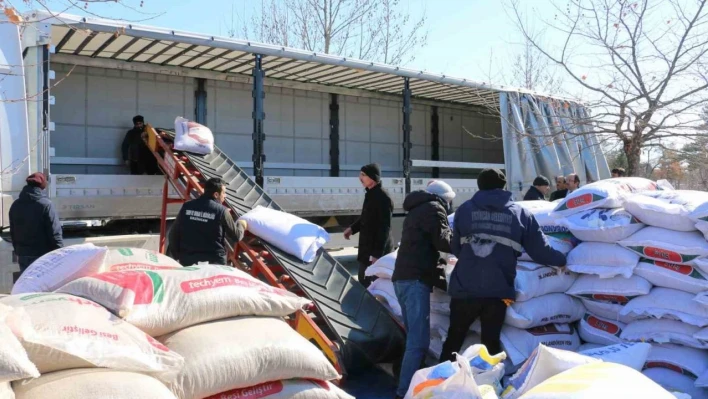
633,151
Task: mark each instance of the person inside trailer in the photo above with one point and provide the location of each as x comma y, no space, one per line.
136,154
203,227
489,233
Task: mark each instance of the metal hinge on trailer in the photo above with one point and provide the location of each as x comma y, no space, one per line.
186,180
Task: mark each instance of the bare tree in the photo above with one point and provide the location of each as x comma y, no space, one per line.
642,65
533,71
378,30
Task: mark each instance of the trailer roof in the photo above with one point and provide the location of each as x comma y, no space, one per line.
115,40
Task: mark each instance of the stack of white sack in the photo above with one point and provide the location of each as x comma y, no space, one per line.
226,325
558,235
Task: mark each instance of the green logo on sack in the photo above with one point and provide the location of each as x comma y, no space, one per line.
125,251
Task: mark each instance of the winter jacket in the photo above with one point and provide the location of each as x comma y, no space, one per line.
374,225
200,230
425,234
558,194
489,233
34,224
134,148
534,194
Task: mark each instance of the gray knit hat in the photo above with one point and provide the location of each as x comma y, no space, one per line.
441,189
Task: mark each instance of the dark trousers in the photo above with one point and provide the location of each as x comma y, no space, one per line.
363,280
144,166
463,312
24,262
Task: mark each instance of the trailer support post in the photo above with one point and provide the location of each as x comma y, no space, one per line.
435,134
258,117
407,133
333,136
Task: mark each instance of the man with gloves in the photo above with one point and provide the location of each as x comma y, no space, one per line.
490,232
374,224
425,234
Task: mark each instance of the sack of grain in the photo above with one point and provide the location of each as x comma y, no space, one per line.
161,301
701,335
290,233
701,382
59,267
607,194
541,210
534,280
608,309
383,267
543,364
618,290
71,332
288,389
630,354
589,347
675,382
663,331
602,225
546,309
519,344
120,259
558,244
383,290
193,137
685,360
241,352
439,324
672,275
605,260
440,302
599,380
6,391
14,363
702,226
597,330
667,245
668,303
92,383
667,209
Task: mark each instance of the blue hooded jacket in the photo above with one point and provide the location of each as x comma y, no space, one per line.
489,233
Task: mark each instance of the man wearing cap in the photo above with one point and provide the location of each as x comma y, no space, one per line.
34,224
425,234
136,154
537,192
203,226
374,224
489,232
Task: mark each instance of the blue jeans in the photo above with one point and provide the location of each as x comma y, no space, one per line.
414,298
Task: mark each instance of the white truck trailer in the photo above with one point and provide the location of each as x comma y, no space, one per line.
300,123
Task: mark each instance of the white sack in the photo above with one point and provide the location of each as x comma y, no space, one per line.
14,363
59,267
543,364
439,324
668,303
439,302
519,344
533,280
383,290
702,335
663,331
92,384
120,259
616,289
608,194
588,347
602,225
72,332
605,260
6,391
559,244
542,210
701,382
161,301
667,245
608,310
383,267
546,309
702,226
598,380
241,352
597,330
193,137
668,209
290,233
630,354
685,360
675,382
672,275
287,389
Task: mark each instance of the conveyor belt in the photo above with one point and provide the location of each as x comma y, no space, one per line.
362,328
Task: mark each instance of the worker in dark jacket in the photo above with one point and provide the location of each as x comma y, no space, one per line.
561,189
203,226
136,154
34,224
425,234
537,192
374,224
490,231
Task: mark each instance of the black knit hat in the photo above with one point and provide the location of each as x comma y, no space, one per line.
541,181
373,171
490,179
138,118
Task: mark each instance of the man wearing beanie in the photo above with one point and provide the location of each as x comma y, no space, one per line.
34,223
136,154
489,233
537,192
374,224
425,234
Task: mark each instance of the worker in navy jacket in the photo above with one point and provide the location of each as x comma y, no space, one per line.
489,233
34,224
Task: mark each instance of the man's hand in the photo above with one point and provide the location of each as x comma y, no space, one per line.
243,223
348,233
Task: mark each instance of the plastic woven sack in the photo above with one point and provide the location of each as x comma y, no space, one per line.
546,309
597,330
688,361
519,344
674,381
603,259
668,303
663,331
630,354
618,290
287,389
602,225
608,194
666,245
672,275
534,280
667,209
14,363
383,267
193,137
383,290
